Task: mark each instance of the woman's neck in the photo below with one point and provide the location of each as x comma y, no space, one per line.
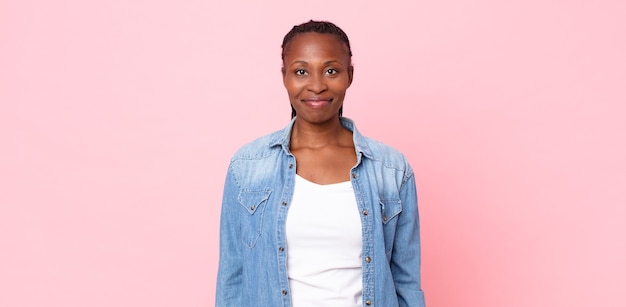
316,136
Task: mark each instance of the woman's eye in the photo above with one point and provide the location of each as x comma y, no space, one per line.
331,71
300,72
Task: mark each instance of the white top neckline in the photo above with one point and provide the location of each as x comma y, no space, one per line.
328,185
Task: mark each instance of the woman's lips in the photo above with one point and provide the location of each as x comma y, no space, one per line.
317,103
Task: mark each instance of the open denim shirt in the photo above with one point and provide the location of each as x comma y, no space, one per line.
257,194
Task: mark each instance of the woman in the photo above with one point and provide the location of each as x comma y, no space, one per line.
317,214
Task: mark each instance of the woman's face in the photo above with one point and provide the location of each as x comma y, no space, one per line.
316,73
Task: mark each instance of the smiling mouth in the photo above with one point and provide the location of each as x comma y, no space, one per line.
317,102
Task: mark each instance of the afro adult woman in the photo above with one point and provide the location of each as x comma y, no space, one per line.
316,214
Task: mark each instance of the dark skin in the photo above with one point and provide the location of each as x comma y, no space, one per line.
316,73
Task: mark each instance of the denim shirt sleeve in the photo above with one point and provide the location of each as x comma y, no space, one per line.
405,260
229,275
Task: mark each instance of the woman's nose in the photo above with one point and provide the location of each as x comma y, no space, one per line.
317,84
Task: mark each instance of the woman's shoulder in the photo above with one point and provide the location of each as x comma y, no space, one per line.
384,153
260,147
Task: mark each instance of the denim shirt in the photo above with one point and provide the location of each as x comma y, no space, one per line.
257,194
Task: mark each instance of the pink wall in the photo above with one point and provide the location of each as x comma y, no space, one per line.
117,119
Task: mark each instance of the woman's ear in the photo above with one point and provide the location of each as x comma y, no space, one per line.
283,71
350,74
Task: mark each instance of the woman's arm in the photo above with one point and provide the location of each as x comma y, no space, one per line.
405,258
229,275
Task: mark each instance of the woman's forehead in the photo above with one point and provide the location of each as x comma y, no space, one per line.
312,43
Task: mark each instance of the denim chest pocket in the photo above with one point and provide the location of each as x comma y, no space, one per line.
390,208
254,202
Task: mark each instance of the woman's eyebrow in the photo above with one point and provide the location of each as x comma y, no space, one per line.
333,62
302,62
299,62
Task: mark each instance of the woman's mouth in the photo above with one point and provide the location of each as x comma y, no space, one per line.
317,103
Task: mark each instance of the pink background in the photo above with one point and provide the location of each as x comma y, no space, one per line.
117,120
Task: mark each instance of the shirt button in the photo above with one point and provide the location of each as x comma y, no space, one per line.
290,165
280,249
284,292
354,175
284,203
365,212
368,259
252,208
384,218
368,303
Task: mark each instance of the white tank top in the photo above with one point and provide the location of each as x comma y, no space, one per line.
324,243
